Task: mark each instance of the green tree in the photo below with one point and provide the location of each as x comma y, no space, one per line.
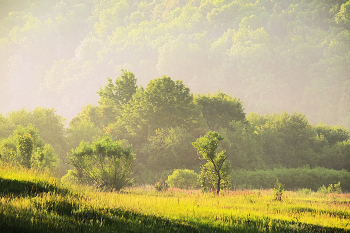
123,90
25,147
219,109
169,104
49,125
114,96
343,17
6,127
216,169
104,162
168,149
80,131
164,103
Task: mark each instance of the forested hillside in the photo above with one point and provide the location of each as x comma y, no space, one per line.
291,55
142,134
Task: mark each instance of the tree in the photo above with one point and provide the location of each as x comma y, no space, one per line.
113,97
104,163
219,109
6,127
48,124
165,103
216,169
82,130
25,147
123,90
168,149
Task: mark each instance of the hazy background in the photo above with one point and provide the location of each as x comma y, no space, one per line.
291,55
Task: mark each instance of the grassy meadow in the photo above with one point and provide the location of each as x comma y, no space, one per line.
31,201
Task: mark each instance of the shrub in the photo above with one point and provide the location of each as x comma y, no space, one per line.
183,178
323,189
278,190
304,191
161,186
334,188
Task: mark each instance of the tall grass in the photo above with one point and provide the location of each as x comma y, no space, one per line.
55,208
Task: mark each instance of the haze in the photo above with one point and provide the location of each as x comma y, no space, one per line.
274,55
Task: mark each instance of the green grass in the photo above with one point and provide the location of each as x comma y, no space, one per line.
33,202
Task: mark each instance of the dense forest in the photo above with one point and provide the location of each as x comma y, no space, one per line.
160,122
135,72
276,56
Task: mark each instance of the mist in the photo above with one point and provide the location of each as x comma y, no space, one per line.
275,56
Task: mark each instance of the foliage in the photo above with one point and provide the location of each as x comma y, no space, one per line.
183,178
25,147
275,55
334,188
51,128
219,109
123,90
80,131
278,190
216,168
161,186
293,178
113,97
103,162
168,149
164,103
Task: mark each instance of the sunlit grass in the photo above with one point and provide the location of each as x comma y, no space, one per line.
143,209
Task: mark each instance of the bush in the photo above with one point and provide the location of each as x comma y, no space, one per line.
183,178
161,186
304,191
332,188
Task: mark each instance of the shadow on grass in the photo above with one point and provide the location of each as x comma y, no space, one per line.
24,188
73,215
119,220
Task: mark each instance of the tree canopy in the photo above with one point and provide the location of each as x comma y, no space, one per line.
275,56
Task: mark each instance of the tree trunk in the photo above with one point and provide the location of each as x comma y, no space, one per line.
218,184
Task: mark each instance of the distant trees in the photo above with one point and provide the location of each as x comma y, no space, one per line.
160,121
267,52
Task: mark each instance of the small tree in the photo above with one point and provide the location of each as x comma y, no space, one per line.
216,169
278,190
104,162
